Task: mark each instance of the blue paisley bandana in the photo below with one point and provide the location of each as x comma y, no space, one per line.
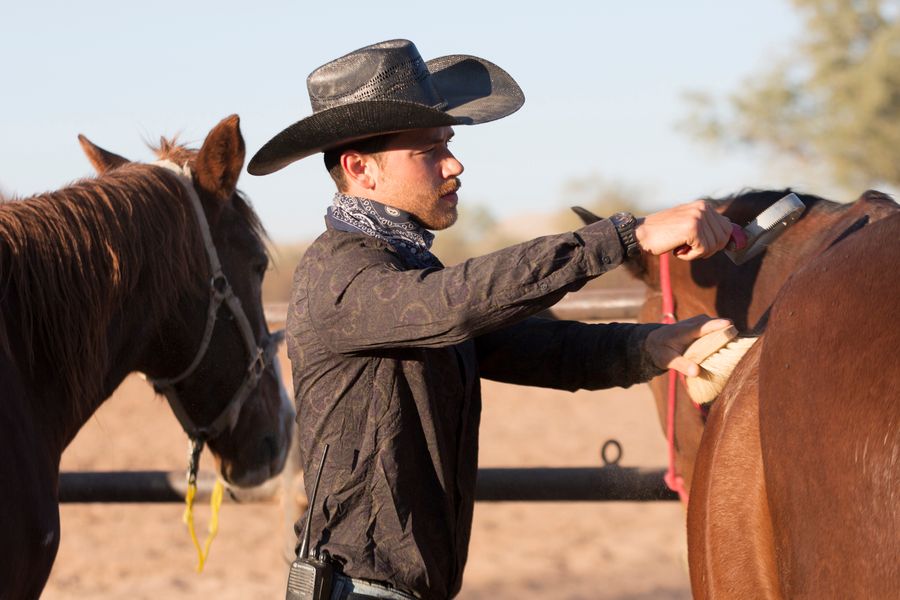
392,225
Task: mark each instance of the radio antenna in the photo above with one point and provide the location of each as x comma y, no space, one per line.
304,546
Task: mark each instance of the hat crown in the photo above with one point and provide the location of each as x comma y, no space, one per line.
392,70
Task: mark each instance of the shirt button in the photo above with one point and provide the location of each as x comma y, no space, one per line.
606,260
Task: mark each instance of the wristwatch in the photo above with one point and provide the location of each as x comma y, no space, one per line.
625,225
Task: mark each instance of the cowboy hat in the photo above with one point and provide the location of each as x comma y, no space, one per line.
387,87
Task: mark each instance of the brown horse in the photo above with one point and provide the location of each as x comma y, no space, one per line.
141,269
744,293
797,482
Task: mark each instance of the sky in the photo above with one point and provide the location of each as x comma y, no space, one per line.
604,85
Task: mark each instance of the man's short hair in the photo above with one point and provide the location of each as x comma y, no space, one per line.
332,157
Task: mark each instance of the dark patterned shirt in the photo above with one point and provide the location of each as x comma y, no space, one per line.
386,366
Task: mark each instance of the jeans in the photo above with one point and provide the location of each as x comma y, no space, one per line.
343,586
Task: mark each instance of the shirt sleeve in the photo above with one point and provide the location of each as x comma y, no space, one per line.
361,298
567,355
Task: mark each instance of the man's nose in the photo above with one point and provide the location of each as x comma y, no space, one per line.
452,167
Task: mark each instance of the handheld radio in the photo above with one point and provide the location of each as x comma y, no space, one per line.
310,576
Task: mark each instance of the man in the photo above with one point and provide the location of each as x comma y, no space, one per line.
387,345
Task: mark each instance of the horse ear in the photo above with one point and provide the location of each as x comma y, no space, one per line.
101,159
220,160
585,215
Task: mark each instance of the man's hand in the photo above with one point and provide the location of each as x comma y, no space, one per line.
695,226
667,344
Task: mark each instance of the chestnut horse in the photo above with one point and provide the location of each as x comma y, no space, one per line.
797,481
141,269
744,293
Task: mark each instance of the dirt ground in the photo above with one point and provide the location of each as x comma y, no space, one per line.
519,550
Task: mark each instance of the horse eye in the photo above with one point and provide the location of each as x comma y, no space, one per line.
261,268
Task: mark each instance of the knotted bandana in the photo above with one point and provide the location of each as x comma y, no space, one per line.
392,225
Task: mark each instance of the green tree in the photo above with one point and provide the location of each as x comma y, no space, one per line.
833,103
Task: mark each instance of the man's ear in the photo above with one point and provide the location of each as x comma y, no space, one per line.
360,170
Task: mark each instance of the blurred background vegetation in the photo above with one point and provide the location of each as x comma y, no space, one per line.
830,106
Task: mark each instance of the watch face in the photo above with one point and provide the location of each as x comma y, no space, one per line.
623,218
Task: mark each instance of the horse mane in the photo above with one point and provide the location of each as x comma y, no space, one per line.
69,260
756,200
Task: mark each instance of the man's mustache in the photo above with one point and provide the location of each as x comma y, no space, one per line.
451,186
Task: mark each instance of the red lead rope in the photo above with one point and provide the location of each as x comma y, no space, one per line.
673,480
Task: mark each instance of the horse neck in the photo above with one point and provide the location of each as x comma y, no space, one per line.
88,272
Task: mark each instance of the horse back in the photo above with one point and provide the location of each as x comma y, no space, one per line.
829,418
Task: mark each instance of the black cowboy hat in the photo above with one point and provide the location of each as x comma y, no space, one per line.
387,87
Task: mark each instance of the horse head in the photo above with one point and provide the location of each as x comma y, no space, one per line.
213,356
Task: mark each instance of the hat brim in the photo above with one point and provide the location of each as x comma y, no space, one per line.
474,90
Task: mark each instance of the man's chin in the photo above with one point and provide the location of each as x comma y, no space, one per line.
444,221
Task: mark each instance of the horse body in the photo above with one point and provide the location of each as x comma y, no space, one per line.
797,479
773,472
110,276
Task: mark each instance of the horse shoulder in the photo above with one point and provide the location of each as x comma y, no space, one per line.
730,547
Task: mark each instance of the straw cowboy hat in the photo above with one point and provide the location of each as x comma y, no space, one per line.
385,88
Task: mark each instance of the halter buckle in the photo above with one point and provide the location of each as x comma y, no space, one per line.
257,365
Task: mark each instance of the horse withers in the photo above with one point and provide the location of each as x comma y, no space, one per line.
797,480
150,268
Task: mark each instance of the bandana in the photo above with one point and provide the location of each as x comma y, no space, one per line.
392,225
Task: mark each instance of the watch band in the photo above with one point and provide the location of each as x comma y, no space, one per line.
625,225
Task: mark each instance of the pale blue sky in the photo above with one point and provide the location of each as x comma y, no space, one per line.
603,83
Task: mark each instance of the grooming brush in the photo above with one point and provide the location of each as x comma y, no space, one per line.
766,227
717,353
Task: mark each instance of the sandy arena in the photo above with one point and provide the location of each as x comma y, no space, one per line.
519,550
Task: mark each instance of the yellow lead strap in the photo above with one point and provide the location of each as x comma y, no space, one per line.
215,503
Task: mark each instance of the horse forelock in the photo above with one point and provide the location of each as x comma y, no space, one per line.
72,260
170,149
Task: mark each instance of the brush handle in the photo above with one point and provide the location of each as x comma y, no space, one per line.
737,241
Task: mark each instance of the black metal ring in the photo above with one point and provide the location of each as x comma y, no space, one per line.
219,283
605,449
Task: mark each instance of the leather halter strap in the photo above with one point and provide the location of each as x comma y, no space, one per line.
220,291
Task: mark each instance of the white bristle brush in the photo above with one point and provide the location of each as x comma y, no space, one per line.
717,353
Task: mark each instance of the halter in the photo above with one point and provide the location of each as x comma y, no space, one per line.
220,291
